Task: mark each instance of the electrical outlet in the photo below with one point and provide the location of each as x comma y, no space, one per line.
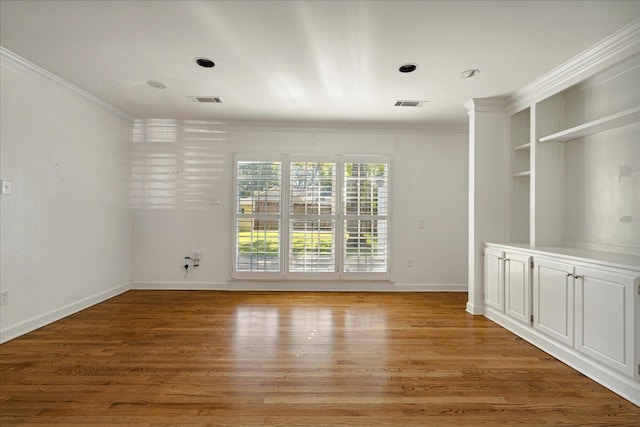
4,297
6,188
409,262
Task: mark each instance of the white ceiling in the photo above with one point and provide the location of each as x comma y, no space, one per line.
305,61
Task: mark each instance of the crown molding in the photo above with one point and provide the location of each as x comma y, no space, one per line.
17,63
621,44
311,127
486,105
349,128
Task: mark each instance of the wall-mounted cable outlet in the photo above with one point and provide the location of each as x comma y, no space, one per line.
195,257
4,297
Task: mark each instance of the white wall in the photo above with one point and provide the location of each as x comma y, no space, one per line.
66,229
180,168
603,191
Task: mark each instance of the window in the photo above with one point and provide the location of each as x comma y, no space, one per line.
311,217
365,216
258,216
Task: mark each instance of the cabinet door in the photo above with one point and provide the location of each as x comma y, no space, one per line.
605,328
553,300
494,278
517,285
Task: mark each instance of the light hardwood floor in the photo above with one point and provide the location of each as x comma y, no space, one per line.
205,358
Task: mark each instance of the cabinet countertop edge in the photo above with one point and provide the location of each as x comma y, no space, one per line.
609,259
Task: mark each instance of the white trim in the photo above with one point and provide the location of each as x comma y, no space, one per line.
45,319
473,309
345,286
181,286
621,44
306,127
486,105
614,381
431,287
319,127
20,64
302,286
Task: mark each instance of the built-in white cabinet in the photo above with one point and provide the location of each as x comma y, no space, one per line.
589,309
582,306
508,283
568,200
554,300
606,327
517,286
494,278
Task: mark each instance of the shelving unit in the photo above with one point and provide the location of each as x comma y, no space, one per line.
612,121
520,142
583,135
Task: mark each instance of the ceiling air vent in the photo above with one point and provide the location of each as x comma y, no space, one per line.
410,103
207,99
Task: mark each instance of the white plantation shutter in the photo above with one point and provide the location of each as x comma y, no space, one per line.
366,208
258,216
312,216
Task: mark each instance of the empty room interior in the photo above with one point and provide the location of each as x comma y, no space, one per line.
319,213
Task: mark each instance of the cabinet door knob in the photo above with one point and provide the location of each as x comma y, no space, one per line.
569,274
577,276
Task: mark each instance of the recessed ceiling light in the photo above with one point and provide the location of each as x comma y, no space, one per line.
408,68
470,73
157,85
205,62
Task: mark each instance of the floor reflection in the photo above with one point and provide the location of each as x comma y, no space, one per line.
256,331
311,332
318,334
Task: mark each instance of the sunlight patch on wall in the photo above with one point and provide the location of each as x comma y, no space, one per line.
177,164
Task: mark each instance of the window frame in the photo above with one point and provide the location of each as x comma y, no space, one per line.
286,217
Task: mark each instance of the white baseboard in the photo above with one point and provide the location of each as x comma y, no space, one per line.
29,325
313,286
430,287
609,378
181,286
474,309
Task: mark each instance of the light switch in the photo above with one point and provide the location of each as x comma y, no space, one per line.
6,187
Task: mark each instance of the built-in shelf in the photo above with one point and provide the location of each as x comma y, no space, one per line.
521,174
522,147
609,122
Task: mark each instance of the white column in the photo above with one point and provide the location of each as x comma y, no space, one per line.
488,188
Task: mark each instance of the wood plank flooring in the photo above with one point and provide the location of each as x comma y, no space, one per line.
205,358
